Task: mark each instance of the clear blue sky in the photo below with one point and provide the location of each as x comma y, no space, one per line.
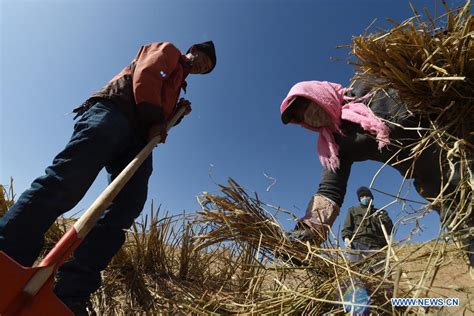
54,54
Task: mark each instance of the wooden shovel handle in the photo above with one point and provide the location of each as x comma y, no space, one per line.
88,220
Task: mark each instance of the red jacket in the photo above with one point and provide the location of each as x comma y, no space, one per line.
148,89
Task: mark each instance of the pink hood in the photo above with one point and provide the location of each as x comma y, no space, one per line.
331,97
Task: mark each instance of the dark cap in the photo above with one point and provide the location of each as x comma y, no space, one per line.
364,191
208,49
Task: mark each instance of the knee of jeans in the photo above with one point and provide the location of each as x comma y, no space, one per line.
140,193
52,187
124,217
130,202
147,168
134,213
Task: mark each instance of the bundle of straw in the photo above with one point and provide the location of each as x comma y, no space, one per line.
430,63
322,272
238,217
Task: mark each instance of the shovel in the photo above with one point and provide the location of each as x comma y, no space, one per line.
26,291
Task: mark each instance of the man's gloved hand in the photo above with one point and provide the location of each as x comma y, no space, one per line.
186,104
347,242
160,129
183,103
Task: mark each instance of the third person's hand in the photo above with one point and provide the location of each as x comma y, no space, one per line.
347,242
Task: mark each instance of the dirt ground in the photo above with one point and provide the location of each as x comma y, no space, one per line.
452,279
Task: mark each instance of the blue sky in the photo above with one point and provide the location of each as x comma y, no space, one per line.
54,54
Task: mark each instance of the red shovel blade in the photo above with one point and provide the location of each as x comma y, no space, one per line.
13,279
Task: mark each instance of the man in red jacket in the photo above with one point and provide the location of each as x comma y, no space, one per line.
115,124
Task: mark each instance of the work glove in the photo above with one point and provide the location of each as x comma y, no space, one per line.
347,242
160,129
320,215
187,105
184,103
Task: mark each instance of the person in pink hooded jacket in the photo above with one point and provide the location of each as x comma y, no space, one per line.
357,125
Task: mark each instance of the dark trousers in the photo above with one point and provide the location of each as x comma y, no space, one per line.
102,137
360,250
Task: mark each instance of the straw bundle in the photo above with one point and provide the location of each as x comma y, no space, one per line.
312,280
429,62
238,217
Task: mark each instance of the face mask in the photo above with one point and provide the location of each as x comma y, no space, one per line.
315,116
365,200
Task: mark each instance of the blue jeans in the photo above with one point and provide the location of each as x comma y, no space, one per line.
102,137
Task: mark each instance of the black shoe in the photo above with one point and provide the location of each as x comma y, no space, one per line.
80,307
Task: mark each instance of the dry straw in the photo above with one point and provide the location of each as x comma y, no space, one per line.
233,257
430,62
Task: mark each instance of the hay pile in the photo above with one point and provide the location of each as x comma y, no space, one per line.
430,62
233,257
